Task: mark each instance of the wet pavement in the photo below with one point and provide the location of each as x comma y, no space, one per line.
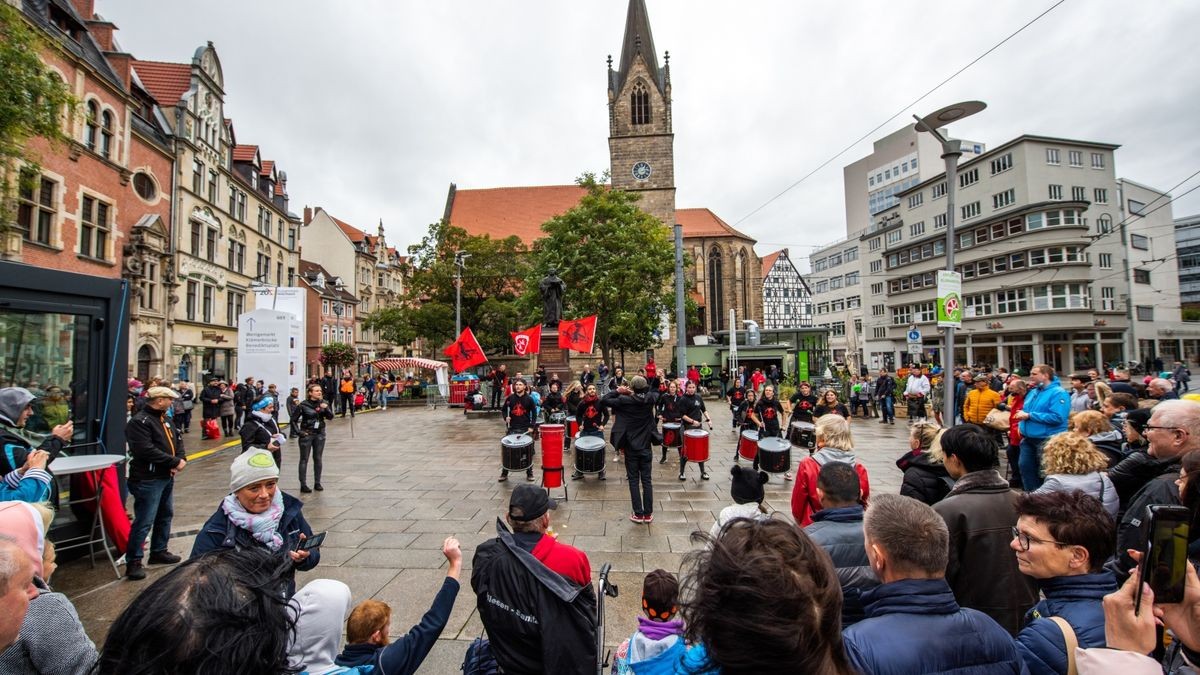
399,481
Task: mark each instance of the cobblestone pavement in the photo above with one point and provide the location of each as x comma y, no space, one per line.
402,480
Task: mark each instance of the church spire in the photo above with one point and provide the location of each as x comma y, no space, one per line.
638,40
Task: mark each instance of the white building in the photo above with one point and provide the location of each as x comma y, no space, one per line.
787,299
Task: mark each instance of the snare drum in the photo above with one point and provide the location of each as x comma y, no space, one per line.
572,431
803,434
748,444
774,455
695,445
516,452
672,435
589,454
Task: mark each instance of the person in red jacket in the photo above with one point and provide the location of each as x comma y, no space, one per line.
529,516
757,379
1016,400
834,444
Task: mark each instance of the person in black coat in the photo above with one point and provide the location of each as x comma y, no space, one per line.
668,411
329,387
693,414
925,478
309,421
210,400
633,434
553,406
885,393
519,416
261,430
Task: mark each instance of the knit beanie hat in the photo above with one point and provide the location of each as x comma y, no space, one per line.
747,485
250,467
1138,418
660,595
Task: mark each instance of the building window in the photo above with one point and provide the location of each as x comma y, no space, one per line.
938,190
1140,242
197,238
820,264
1097,160
1104,224
1075,157
106,134
192,290
1145,312
639,104
1060,296
978,305
212,186
94,228
852,279
878,310
1079,194
850,255
1108,298
1105,261
939,221
970,211
1101,195
716,291
968,178
91,127
877,288
916,200
197,177
148,298
835,283
1055,192
880,333
206,307
36,210
212,240
1052,156
876,266
1136,207
144,186
1002,164
874,244
1008,302
1003,199
916,229
894,237
237,257
1141,276
821,287
235,304
324,335
324,308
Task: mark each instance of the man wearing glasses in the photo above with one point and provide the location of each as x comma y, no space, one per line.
1173,431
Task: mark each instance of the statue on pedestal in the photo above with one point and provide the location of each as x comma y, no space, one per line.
552,289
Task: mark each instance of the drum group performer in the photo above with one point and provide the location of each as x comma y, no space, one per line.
693,414
736,396
768,413
668,413
519,412
744,420
592,416
635,408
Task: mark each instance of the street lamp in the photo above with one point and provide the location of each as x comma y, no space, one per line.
951,151
460,263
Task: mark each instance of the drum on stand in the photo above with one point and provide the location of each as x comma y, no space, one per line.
803,434
516,452
695,445
748,444
672,435
552,455
774,455
589,454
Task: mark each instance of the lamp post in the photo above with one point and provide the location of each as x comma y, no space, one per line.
460,260
951,151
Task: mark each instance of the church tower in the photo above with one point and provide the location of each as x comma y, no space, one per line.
640,140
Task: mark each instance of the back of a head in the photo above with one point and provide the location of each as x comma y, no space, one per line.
972,445
763,598
224,612
914,536
369,616
1122,400
1073,518
1091,422
834,431
839,481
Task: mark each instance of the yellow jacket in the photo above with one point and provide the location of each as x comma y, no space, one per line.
978,404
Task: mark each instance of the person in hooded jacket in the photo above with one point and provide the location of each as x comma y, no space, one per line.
925,477
838,528
1074,464
368,626
1094,426
23,468
1139,466
834,444
657,645
1062,540
320,608
1045,412
746,488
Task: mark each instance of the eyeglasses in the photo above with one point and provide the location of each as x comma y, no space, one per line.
1148,427
1025,540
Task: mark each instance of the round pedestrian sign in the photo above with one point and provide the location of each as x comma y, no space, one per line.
914,335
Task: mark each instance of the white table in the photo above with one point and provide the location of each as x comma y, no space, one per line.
67,466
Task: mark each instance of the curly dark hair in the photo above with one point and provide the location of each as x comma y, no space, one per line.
224,612
763,598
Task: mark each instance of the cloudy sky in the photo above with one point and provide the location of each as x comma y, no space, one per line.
374,107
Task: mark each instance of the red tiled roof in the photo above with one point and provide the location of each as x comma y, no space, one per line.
279,190
506,211
704,223
244,153
166,82
769,261
267,166
356,235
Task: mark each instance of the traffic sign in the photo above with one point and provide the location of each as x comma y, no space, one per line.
914,336
914,348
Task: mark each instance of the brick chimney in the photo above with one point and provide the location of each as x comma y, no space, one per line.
308,215
85,8
102,33
122,63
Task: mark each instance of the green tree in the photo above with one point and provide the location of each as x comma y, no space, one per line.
492,280
32,102
337,355
618,262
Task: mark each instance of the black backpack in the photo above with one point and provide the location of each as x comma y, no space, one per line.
479,659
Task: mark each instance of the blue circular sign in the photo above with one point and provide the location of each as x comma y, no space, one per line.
914,335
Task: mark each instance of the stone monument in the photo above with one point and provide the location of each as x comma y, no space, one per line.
552,357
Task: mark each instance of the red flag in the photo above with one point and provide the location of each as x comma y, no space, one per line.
465,352
528,341
578,334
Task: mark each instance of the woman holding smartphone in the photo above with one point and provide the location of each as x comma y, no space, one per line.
257,514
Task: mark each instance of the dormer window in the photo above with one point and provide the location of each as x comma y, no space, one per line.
639,104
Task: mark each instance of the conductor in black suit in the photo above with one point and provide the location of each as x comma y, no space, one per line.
632,433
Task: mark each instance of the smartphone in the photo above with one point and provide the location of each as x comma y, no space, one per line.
1164,564
315,542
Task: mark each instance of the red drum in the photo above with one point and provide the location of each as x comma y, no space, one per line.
672,435
695,445
748,444
552,454
572,431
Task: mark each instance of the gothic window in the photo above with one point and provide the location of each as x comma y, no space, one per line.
716,295
743,281
106,134
640,104
90,125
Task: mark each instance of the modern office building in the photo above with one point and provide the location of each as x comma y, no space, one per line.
1187,244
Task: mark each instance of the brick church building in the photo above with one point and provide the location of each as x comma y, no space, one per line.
726,272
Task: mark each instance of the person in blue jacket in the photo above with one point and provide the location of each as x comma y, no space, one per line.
257,514
1045,412
1062,540
914,624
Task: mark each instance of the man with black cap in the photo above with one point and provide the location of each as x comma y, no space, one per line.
534,594
632,435
155,456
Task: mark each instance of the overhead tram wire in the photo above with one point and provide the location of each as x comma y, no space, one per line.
898,113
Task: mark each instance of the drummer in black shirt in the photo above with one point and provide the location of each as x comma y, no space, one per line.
804,404
592,415
744,419
768,412
553,405
693,414
668,412
519,412
736,396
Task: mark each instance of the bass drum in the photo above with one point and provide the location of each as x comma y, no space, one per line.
516,452
589,454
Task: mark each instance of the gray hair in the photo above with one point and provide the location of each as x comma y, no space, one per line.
11,557
911,532
834,431
1182,414
1161,383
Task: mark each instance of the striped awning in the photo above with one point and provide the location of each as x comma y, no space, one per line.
407,362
